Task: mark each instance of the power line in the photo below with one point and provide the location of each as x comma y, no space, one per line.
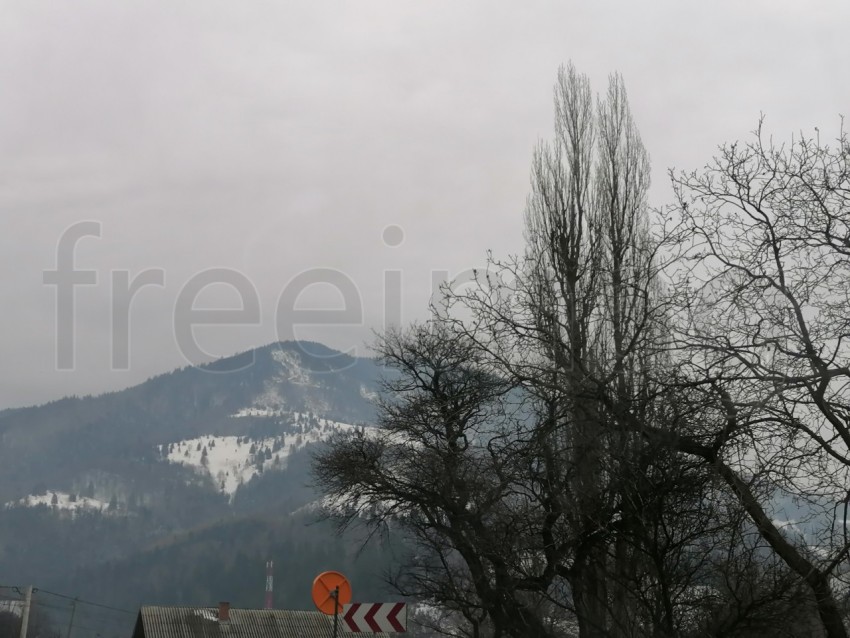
44,605
88,615
90,621
95,619
84,602
18,589
97,615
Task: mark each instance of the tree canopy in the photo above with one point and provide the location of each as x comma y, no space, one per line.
641,425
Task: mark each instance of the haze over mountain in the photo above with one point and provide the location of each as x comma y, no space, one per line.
178,490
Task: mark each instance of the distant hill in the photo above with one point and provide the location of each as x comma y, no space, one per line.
176,491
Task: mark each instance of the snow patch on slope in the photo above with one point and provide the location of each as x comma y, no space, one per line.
269,402
259,412
232,461
229,460
61,501
368,394
291,363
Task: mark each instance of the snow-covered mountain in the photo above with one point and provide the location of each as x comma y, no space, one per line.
66,445
92,485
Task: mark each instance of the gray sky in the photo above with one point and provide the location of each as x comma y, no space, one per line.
275,138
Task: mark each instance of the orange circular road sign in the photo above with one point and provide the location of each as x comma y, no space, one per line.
331,590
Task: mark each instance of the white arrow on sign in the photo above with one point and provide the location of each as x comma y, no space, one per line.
374,617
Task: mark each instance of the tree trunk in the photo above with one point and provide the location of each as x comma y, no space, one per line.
588,585
817,580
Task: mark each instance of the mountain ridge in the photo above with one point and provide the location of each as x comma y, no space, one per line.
192,400
227,363
92,488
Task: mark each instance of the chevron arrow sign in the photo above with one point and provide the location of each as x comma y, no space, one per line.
374,617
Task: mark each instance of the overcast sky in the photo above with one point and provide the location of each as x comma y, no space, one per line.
272,139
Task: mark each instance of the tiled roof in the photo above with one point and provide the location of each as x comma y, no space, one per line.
202,622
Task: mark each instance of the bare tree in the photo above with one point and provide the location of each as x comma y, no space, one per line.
600,441
577,310
584,323
443,470
764,321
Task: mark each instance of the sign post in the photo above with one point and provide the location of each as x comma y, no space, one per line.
336,609
332,595
331,590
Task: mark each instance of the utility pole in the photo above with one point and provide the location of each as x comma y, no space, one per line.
71,622
25,616
335,596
